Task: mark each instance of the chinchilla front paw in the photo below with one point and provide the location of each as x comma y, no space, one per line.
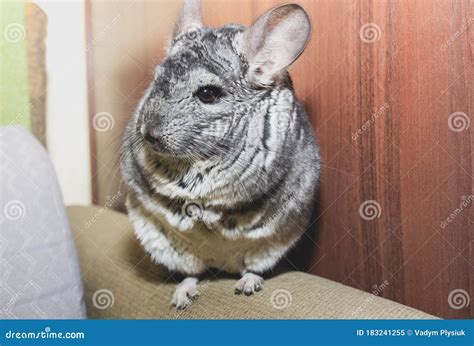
248,284
186,292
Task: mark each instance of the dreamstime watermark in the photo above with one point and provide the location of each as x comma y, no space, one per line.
287,201
7,307
281,299
200,290
376,292
101,34
370,210
377,113
103,299
193,210
459,121
466,202
283,124
14,210
458,299
110,202
21,115
191,34
14,32
103,121
47,333
370,33
462,29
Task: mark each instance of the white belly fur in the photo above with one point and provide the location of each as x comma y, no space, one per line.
198,249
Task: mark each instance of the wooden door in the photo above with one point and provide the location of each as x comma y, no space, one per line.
389,89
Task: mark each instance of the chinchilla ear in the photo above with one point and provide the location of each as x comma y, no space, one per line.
274,42
190,17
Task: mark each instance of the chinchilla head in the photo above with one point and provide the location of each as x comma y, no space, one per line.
203,95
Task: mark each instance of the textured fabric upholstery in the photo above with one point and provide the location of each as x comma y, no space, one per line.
121,282
39,271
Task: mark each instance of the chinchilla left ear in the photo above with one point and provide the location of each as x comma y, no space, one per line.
274,42
190,17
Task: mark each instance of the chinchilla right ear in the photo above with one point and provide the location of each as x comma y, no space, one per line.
274,42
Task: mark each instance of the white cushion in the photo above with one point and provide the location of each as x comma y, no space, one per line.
39,271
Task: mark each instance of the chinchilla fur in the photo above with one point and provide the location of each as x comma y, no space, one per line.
224,177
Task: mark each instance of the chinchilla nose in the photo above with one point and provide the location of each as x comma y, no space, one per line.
152,136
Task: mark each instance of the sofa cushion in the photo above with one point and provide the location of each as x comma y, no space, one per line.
39,270
121,282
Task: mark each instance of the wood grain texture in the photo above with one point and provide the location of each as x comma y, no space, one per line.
35,27
380,104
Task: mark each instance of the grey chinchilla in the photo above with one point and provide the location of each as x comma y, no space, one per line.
219,157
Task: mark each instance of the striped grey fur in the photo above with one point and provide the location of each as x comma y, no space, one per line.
248,163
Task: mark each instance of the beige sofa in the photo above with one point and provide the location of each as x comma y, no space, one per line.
112,261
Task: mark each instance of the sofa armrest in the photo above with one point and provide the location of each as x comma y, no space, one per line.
114,265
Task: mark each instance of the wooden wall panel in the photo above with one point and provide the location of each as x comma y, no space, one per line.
403,79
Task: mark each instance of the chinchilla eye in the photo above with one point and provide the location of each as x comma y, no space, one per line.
209,93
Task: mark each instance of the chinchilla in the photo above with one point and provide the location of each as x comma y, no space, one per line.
219,157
